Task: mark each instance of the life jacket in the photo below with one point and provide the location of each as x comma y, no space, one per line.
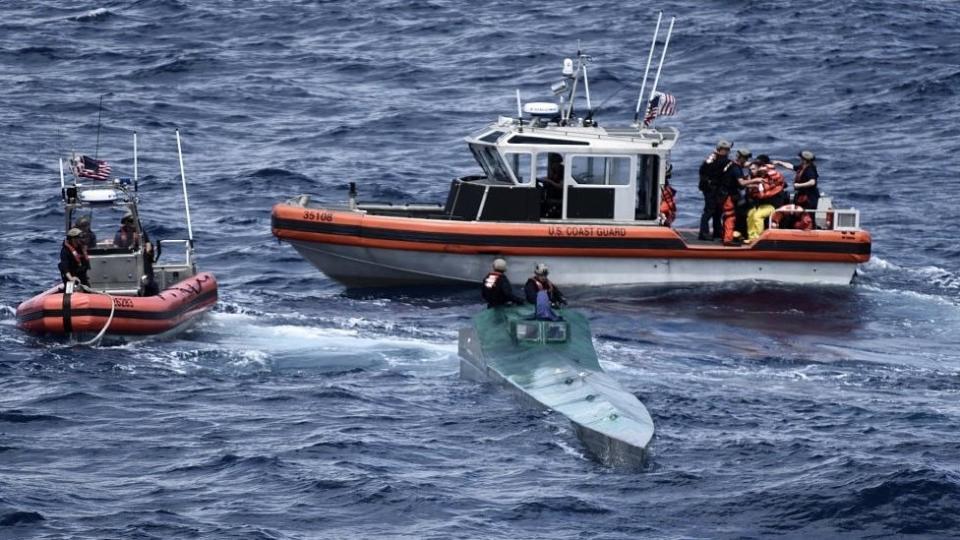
772,184
491,288
668,205
792,216
711,172
80,256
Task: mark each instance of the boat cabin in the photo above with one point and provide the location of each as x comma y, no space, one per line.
119,262
568,173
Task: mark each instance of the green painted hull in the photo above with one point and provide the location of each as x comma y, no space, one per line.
564,376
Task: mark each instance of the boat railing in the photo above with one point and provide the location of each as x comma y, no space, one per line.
831,219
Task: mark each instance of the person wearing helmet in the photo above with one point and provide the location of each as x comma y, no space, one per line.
127,237
496,288
806,191
736,176
711,179
88,236
74,262
540,282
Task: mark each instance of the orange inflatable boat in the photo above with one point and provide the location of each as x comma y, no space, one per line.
81,314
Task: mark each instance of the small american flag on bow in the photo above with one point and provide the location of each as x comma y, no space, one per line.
661,105
87,167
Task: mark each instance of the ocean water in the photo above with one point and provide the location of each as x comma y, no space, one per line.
298,409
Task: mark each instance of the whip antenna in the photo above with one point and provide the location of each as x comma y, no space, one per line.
663,56
643,86
96,154
183,180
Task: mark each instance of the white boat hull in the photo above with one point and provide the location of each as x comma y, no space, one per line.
357,266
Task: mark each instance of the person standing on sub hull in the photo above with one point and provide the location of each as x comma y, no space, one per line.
540,282
711,177
74,263
496,288
805,183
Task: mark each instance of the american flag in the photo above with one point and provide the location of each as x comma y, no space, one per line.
87,167
661,105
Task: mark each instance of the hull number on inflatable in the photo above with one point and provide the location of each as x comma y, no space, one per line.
314,215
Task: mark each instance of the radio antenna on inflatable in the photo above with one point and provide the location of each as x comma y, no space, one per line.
136,175
183,180
519,110
96,154
643,85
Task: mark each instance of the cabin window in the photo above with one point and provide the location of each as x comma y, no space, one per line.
491,137
648,184
601,171
527,139
520,164
490,161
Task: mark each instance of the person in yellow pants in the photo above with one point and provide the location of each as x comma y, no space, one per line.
756,220
766,189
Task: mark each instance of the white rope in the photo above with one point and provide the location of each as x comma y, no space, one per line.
96,339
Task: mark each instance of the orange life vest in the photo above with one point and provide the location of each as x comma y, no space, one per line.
668,204
79,256
772,184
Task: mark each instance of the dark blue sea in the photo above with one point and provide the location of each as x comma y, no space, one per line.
298,409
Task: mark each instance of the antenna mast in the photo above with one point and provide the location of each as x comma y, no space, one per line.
643,86
183,180
96,154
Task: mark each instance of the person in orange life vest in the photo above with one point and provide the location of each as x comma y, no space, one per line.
711,178
668,202
791,216
766,192
74,262
805,183
127,237
540,282
496,288
735,176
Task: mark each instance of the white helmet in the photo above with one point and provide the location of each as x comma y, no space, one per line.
500,265
541,269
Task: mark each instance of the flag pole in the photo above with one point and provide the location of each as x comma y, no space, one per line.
643,86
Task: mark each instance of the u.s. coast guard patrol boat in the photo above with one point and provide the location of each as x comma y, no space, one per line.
556,185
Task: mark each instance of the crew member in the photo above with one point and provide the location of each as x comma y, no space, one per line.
74,262
668,201
540,282
766,191
127,237
88,237
496,288
553,186
806,190
735,177
711,174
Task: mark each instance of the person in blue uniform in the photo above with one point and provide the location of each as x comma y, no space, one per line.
540,282
806,180
711,178
496,288
74,263
736,176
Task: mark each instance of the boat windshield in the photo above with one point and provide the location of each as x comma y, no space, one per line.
106,227
489,159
